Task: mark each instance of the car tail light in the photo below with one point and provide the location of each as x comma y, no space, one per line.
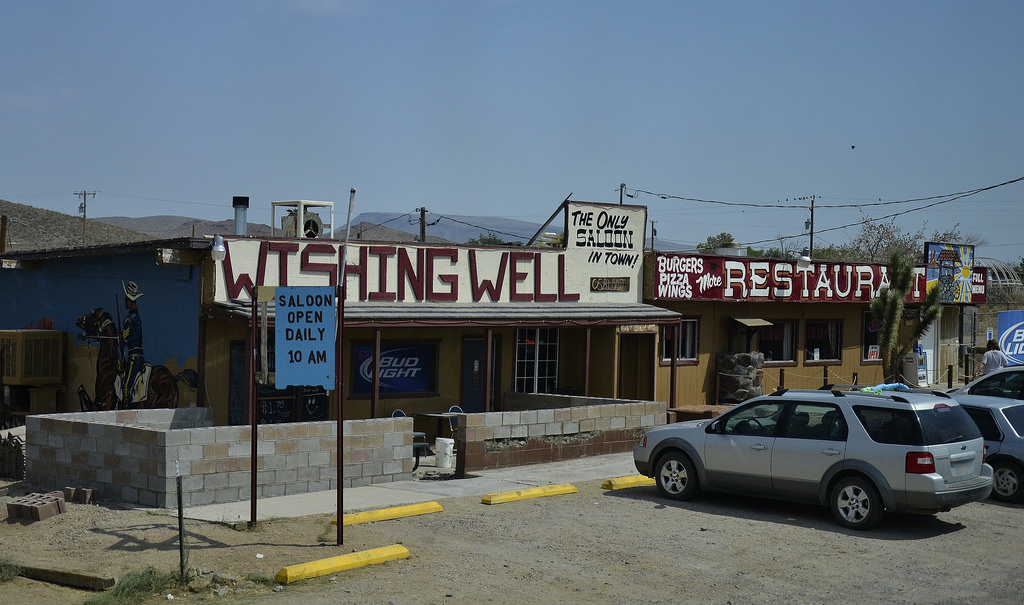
920,463
984,454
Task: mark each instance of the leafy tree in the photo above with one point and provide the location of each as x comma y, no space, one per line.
879,240
709,245
887,310
485,240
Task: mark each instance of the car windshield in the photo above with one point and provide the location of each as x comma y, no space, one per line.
1015,415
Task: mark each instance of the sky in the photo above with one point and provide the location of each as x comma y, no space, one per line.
718,116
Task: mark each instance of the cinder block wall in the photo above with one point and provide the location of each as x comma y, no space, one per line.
504,439
132,456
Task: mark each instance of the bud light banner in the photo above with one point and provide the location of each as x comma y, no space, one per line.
1011,335
408,368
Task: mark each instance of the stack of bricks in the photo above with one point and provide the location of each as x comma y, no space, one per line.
78,495
36,506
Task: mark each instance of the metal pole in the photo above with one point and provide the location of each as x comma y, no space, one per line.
339,370
253,416
810,248
181,523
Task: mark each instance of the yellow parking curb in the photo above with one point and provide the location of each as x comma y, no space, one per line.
532,492
303,571
389,513
624,482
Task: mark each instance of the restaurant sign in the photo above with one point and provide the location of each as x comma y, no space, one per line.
697,277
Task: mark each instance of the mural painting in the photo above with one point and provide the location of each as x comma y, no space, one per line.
123,378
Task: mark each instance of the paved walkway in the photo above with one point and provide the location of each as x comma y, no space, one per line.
385,495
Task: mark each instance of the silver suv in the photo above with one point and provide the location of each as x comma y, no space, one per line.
858,453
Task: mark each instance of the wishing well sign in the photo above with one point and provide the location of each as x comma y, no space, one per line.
306,330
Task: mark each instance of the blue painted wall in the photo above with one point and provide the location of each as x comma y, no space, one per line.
65,289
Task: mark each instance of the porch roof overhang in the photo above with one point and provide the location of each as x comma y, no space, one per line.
751,322
377,314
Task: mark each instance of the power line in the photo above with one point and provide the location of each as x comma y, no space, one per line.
934,200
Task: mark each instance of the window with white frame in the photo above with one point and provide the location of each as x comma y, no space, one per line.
778,341
536,360
823,340
684,342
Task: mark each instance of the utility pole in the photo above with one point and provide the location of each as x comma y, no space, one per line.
85,196
423,225
622,189
654,233
810,248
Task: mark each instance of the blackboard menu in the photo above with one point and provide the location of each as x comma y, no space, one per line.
275,405
312,403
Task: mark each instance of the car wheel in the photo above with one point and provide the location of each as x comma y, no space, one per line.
855,503
676,476
1006,478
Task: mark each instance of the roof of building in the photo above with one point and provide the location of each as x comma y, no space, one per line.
369,314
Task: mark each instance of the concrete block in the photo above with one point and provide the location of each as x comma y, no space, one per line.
147,498
307,473
319,458
286,446
129,495
297,487
239,449
240,479
272,462
139,480
298,460
273,490
228,494
286,475
322,429
215,481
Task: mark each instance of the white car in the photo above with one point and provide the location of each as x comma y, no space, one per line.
860,454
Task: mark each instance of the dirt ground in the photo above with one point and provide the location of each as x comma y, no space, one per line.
593,546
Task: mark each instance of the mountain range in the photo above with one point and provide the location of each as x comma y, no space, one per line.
31,228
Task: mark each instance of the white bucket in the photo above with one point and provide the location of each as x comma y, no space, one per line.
445,452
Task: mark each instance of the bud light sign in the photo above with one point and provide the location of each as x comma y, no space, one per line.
403,369
1011,335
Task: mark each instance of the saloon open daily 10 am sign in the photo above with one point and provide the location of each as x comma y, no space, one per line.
305,331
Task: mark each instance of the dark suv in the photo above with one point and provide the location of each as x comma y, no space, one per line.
857,453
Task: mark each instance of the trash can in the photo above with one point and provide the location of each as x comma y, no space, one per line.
445,449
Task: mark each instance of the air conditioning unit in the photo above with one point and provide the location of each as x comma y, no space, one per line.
32,357
311,226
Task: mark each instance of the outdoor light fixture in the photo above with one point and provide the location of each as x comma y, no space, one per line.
805,258
218,251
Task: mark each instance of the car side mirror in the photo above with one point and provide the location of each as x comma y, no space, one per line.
715,427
